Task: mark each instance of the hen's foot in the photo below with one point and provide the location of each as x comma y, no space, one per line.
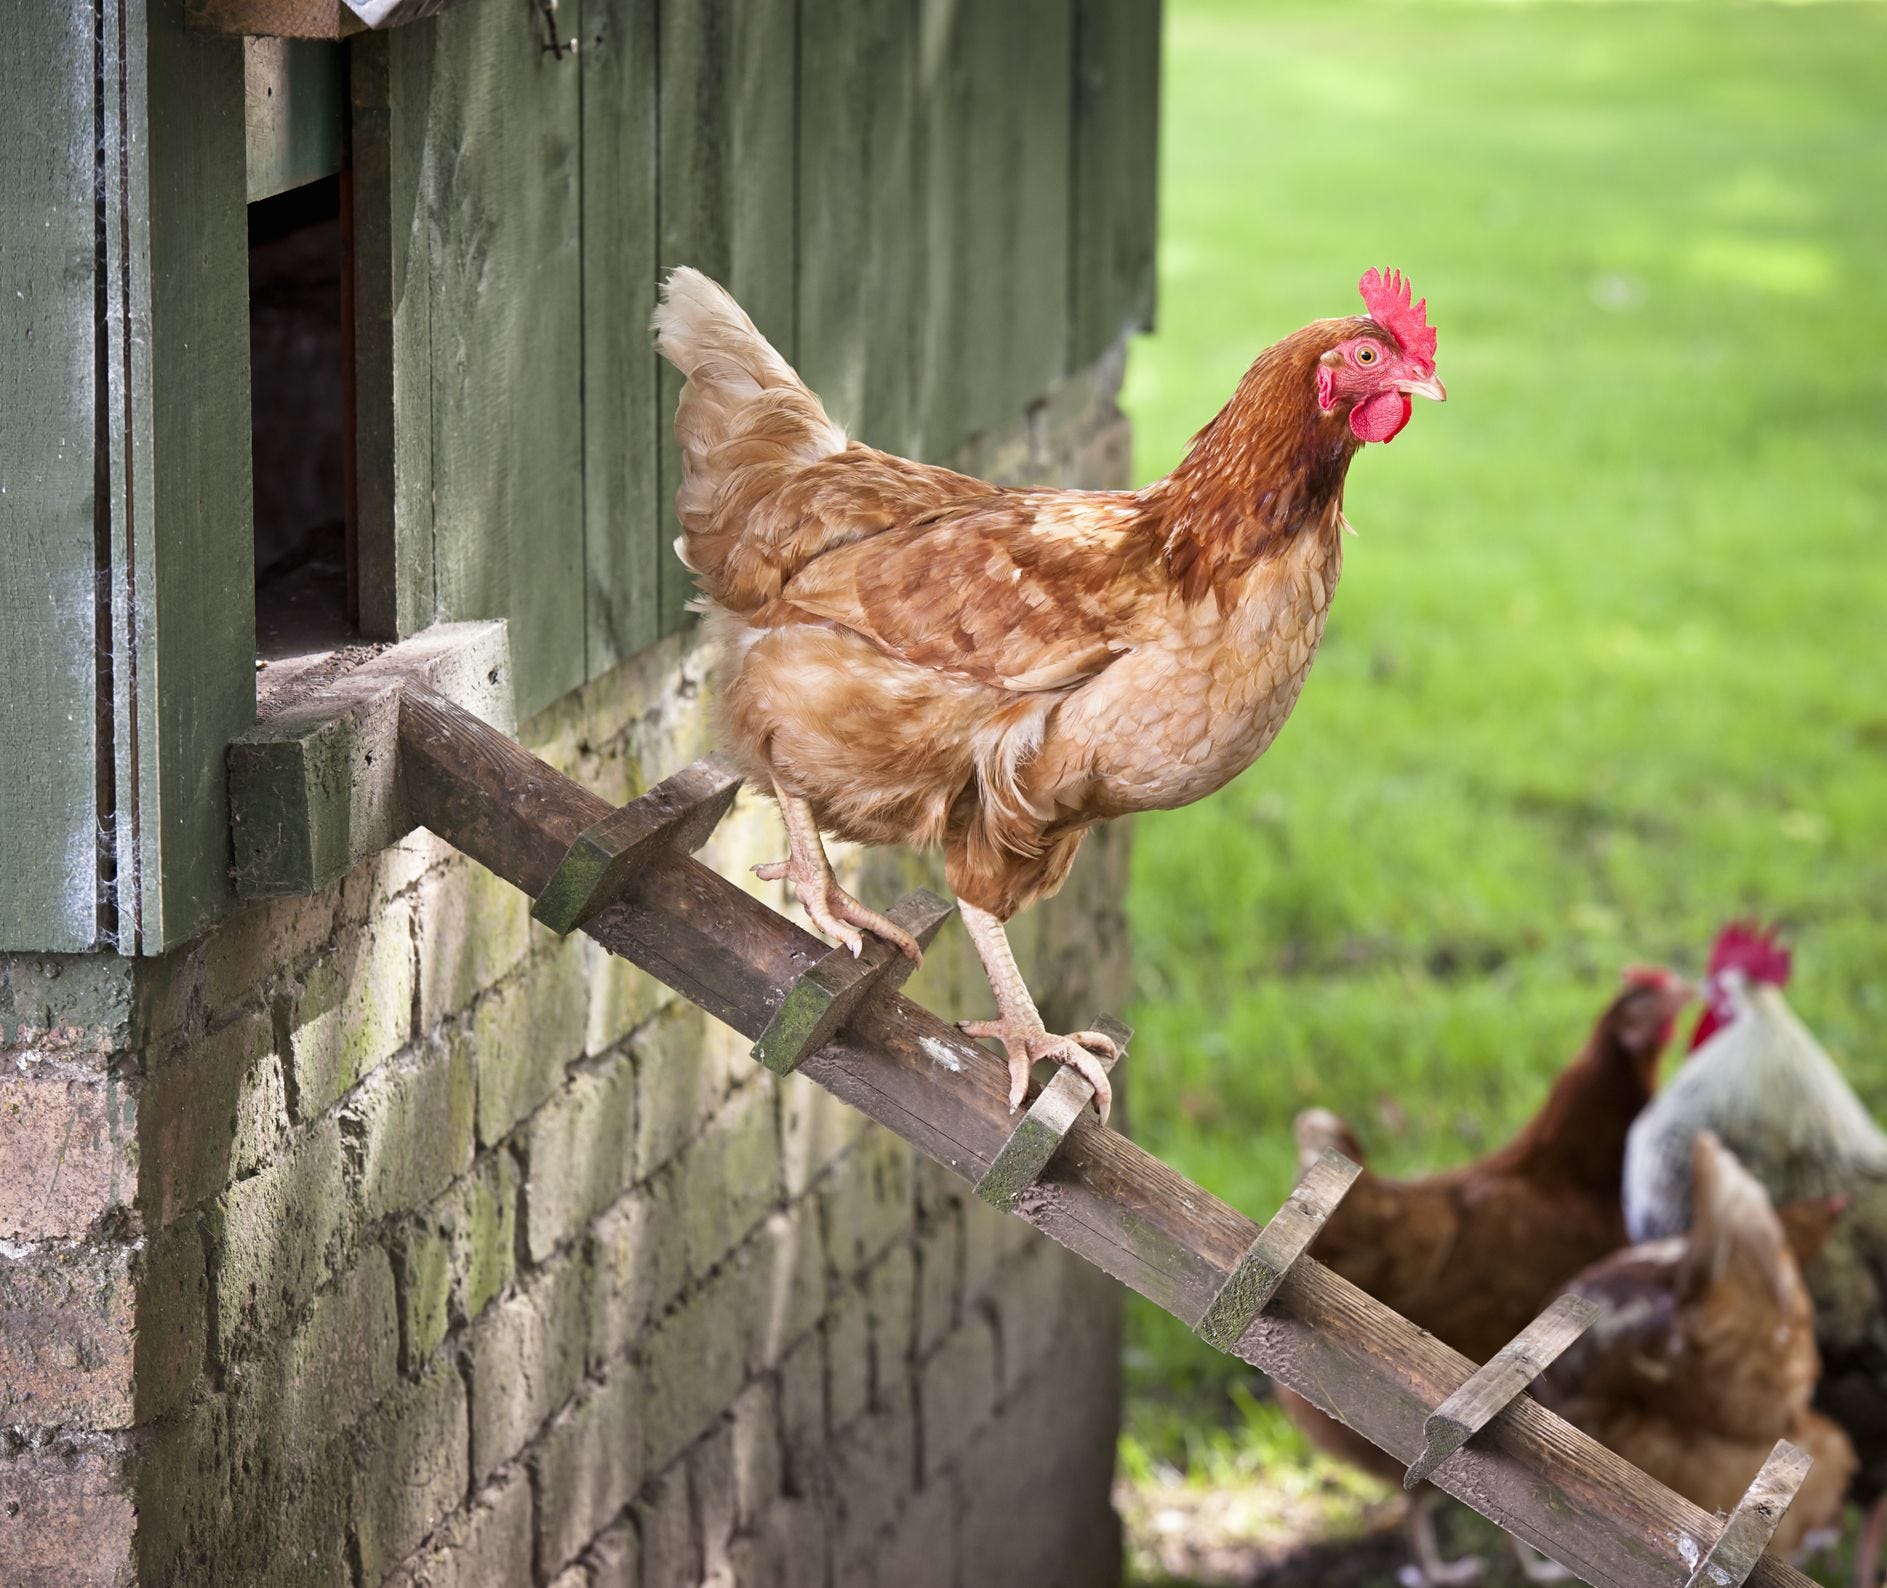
1026,1041
834,911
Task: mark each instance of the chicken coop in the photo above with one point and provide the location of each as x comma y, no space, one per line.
355,1226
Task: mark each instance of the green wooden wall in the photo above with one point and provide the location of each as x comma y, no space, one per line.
938,208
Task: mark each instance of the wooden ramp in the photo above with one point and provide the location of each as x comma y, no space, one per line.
627,878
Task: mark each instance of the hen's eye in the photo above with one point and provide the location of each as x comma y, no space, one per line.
1366,355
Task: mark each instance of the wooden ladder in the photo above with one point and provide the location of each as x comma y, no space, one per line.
628,879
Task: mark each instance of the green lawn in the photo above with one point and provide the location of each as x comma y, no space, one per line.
1609,662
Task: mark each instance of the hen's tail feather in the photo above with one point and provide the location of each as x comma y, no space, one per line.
744,415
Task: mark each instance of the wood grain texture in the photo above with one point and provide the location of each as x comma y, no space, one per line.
1248,1289
1497,1381
626,521
1101,1196
1044,1126
814,1007
1116,172
50,727
502,164
728,190
1733,1557
294,106
859,230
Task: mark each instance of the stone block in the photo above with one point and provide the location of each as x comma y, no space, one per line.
939,1277
866,1201
873,1469
801,1386
422,1275
172,1337
677,1088
525,1358
848,1360
889,1287
66,1314
692,1367
473,930
671,1550
588,1467
921,1546
214,1111
274,1237
410,1468
578,1152
788,1550
524,1033
1031,1307
785,1272
482,1222
731,1176
71,1153
66,1514
622,998
755,1438
711,1496
409,1127
354,1010
615,1559
252,950
487,1545
639,1252
816,1130
956,1391
74,1010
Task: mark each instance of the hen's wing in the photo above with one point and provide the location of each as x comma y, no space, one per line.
1024,590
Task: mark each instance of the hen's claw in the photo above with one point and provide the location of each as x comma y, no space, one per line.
1087,1053
835,912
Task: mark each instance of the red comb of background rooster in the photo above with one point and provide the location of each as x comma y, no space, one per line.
1387,299
1758,954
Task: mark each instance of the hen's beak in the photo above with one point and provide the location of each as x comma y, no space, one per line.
1431,388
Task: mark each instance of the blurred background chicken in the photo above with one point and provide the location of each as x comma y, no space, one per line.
1473,1254
1704,1355
1759,1081
913,656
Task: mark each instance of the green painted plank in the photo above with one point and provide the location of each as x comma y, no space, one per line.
183,594
624,518
502,171
859,243
49,642
1116,171
390,81
294,112
727,191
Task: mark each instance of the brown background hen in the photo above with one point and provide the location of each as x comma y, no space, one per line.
913,656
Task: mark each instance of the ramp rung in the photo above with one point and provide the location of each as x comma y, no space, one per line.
1045,1126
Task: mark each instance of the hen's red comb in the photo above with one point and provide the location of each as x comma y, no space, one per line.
1387,299
1756,952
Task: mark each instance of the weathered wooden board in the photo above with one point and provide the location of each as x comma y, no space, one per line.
1116,171
1753,1523
174,182
727,192
294,106
390,79
858,217
55,628
506,310
626,522
1102,1196
305,19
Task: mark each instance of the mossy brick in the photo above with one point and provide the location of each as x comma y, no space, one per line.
622,998
421,1250
69,1515
212,1112
524,1032
473,930
485,1545
66,1345
182,1487
578,1153
275,1235
70,1149
266,940
172,1338
524,1358
816,1130
484,1224
873,1470
671,1549
396,869
710,1465
801,1386
588,1467
614,1558
788,1549
641,1263
678,1089
957,1386
80,1008
847,1331
692,1367
754,1438
866,1201
354,1010
939,1277
731,1176
784,1275
410,1468
889,1286
287,1526
409,1126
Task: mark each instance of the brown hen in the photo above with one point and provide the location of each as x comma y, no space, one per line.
913,656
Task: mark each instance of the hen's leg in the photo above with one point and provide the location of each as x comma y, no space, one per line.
1429,1570
828,906
1018,1024
1536,1567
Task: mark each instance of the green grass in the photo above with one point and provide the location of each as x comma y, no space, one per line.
1609,660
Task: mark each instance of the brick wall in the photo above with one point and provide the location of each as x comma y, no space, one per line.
383,1237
